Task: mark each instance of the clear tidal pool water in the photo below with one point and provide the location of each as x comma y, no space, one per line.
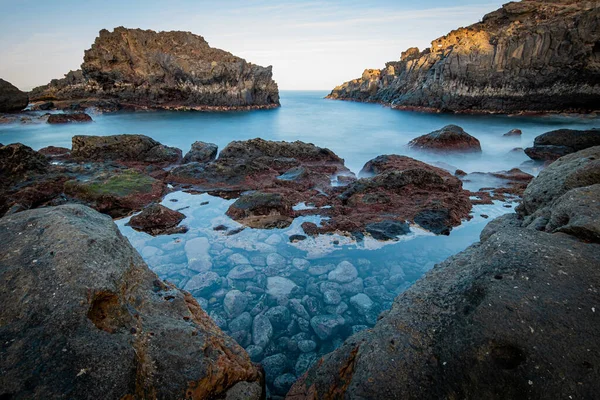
289,303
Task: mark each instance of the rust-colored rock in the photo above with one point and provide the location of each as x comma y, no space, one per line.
157,219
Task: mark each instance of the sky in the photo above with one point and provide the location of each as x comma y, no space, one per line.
312,45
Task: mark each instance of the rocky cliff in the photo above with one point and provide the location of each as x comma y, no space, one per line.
11,98
143,68
512,317
539,56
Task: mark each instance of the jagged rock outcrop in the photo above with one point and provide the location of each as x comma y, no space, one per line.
11,98
175,70
124,148
540,56
554,144
84,317
513,316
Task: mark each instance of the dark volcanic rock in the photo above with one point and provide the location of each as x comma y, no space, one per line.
18,161
513,133
201,152
450,138
157,219
494,65
501,319
83,314
175,70
11,98
127,148
261,210
555,144
68,118
387,230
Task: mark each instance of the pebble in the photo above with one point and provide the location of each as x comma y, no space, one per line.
362,303
306,346
331,297
274,366
262,330
325,326
344,272
235,303
279,287
242,322
242,272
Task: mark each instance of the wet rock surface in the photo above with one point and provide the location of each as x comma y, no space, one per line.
11,98
157,219
450,138
501,319
552,145
494,65
201,152
68,118
170,70
123,148
93,321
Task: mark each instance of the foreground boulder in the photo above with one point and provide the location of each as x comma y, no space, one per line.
174,70
450,138
137,148
552,145
11,98
83,315
494,65
502,319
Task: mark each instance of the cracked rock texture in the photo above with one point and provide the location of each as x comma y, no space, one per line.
539,56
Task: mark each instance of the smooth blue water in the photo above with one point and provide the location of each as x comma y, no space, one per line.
355,131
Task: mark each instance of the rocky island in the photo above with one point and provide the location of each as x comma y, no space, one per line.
528,56
138,68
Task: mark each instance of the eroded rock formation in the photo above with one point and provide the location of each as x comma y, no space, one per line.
175,70
83,315
533,55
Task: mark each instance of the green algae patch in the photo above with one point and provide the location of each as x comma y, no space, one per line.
116,193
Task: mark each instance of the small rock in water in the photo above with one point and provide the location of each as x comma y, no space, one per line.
220,228
513,132
279,316
317,270
387,230
238,259
235,303
279,287
204,283
262,330
362,303
297,238
197,254
276,260
242,272
331,297
242,322
306,346
274,366
325,326
255,352
344,272
299,309
300,264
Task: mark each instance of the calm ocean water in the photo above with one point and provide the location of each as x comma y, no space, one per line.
357,132
242,277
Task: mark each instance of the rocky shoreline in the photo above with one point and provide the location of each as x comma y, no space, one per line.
517,60
289,313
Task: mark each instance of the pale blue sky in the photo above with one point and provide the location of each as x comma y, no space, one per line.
311,44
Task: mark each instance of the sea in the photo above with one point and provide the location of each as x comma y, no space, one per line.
319,291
